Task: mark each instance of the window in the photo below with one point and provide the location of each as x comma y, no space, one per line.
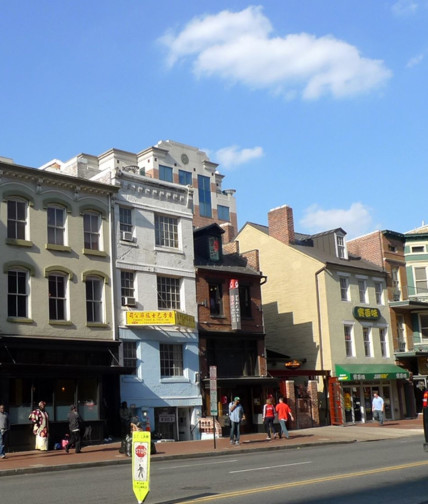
349,342
171,360
383,336
56,225
184,177
401,334
423,320
91,225
379,293
16,219
223,212
245,301
367,342
421,280
341,248
57,297
344,287
127,287
362,289
94,299
216,299
392,248
395,278
418,249
125,220
165,173
166,231
17,294
168,293
204,192
130,355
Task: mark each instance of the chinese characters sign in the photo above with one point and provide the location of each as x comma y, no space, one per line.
366,313
167,317
235,309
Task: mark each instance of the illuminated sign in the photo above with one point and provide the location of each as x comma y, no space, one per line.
166,317
366,313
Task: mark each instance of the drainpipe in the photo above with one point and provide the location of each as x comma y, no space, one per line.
319,316
112,226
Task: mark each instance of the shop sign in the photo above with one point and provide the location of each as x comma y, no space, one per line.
161,317
165,418
235,308
366,313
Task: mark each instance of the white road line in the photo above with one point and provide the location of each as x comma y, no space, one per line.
198,465
268,467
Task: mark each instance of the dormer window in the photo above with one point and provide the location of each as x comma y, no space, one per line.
341,247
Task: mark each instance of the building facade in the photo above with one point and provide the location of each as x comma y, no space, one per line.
57,335
328,310
155,295
230,324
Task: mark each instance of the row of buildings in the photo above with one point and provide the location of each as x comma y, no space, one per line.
127,280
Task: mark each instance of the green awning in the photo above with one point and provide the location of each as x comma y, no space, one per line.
359,372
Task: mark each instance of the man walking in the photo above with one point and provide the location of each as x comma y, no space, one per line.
378,408
283,410
4,427
236,414
75,424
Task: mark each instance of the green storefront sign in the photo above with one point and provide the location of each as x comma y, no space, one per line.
370,372
366,313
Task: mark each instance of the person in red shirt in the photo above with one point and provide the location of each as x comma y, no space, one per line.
268,418
284,412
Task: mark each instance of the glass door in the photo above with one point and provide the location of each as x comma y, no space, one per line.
367,391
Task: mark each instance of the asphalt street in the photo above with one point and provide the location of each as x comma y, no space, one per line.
388,471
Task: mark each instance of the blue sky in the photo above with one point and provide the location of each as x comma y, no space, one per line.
320,105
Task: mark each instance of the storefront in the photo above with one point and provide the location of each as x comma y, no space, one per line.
60,373
359,382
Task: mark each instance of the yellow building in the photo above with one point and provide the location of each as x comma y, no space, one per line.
328,310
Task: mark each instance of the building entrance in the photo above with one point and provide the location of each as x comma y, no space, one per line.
357,401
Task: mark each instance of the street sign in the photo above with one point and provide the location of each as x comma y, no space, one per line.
141,441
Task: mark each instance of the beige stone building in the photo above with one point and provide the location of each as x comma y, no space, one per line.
57,337
328,310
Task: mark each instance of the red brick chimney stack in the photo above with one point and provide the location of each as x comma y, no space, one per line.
281,224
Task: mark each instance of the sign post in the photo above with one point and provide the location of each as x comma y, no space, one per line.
141,442
213,397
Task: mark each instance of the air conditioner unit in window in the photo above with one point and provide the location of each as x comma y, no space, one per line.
129,301
127,236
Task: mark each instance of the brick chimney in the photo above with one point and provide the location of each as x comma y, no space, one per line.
281,224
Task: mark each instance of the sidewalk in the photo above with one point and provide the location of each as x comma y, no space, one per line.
108,454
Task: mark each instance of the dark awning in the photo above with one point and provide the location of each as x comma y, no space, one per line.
363,372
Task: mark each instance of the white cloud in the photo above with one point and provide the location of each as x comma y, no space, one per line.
239,47
233,156
404,8
415,60
355,221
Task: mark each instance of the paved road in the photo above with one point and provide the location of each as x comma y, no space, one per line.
389,471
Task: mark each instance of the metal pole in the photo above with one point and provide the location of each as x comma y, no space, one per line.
214,432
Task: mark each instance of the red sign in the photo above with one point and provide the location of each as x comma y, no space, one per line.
140,451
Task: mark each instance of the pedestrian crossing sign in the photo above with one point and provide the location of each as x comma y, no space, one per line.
141,464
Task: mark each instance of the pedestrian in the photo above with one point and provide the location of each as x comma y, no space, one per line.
4,427
268,418
378,408
236,415
284,412
40,419
75,426
125,418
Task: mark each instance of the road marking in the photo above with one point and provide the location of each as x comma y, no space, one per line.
268,467
239,493
198,465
